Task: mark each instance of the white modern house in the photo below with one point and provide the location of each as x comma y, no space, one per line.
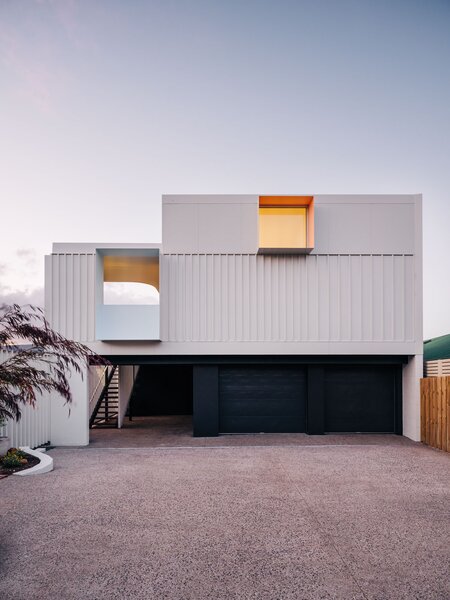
266,314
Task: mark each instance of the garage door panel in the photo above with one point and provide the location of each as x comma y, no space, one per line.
257,399
360,399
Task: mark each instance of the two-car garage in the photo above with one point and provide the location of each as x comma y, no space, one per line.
327,397
274,399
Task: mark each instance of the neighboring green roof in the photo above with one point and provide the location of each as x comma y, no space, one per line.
437,348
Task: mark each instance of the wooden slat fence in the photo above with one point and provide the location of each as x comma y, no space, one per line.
437,368
435,412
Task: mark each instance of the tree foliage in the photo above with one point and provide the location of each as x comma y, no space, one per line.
38,359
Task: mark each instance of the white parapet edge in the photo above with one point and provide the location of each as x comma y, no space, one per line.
45,465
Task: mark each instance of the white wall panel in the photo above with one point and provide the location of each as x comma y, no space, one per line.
210,224
365,224
317,298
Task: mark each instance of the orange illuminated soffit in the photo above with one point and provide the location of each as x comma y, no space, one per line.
285,200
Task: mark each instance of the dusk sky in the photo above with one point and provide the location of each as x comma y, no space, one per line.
107,105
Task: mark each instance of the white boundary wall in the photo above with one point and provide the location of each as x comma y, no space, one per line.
33,428
71,428
51,420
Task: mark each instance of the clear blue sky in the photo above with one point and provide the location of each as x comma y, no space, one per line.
106,105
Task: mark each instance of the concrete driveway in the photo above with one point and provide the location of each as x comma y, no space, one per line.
277,522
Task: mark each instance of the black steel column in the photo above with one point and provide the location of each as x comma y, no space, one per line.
315,411
205,400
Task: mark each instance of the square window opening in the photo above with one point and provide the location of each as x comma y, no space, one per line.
286,224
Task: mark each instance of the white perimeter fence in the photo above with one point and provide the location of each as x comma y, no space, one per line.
33,429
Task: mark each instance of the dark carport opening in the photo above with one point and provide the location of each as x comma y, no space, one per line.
162,390
152,399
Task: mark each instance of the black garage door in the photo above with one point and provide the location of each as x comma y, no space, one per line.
360,399
268,399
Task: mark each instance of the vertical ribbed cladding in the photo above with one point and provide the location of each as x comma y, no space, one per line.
260,298
70,294
264,298
33,428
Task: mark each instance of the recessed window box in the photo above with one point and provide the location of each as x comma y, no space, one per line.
127,294
286,224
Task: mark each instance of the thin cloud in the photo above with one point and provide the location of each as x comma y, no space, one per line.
27,256
26,252
15,285
35,297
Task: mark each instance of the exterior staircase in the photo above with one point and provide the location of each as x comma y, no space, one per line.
106,411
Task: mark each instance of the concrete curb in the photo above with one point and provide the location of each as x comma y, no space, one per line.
45,466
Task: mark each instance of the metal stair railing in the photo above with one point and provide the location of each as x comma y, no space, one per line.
102,396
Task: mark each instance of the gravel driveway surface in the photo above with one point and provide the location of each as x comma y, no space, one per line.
276,522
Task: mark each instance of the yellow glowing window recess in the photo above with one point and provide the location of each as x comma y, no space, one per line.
131,269
285,223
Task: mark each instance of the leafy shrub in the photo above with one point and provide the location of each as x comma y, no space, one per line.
14,458
17,452
11,461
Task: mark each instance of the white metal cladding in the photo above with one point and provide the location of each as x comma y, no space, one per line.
225,298
70,294
33,428
245,297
